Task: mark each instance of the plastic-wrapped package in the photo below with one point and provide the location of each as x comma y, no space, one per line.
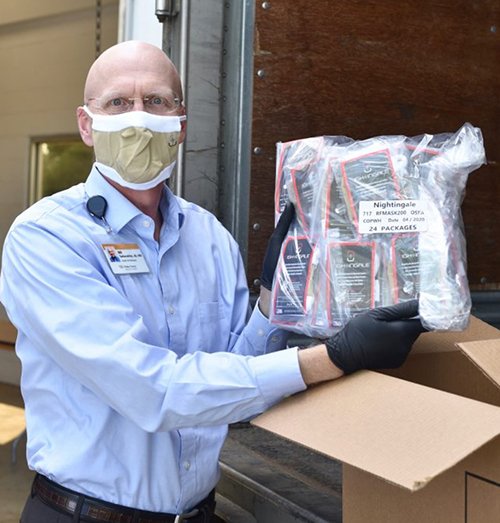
353,266
293,299
378,222
295,162
299,168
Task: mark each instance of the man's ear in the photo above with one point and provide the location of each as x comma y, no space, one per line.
85,126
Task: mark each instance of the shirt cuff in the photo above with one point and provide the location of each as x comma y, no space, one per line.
264,337
278,375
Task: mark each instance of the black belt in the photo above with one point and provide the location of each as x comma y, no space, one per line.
68,502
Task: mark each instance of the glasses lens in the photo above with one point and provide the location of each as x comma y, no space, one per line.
162,103
115,105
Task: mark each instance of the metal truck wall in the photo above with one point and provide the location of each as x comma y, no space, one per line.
363,68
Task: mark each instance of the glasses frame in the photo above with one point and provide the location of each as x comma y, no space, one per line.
131,103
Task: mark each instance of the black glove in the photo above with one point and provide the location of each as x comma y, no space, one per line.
274,246
377,339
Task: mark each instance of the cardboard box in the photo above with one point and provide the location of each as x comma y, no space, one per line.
419,445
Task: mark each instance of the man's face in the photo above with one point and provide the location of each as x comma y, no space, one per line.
132,70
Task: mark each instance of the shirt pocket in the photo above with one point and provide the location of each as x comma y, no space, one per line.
212,335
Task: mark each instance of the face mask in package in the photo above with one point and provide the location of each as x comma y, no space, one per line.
378,222
296,272
294,162
352,266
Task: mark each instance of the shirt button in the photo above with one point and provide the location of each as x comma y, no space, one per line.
171,309
187,465
261,332
146,223
274,339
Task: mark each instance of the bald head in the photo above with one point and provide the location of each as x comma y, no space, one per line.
131,66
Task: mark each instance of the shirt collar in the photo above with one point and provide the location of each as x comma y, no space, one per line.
121,211
171,210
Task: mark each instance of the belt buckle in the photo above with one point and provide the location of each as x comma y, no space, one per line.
181,517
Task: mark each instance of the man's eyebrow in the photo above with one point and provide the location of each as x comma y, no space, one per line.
119,93
111,94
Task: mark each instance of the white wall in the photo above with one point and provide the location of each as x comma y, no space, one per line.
139,22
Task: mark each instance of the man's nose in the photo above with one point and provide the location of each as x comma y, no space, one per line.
138,104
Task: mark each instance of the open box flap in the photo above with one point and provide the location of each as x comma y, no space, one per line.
447,341
402,432
486,355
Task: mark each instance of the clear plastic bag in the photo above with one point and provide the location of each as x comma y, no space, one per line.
377,222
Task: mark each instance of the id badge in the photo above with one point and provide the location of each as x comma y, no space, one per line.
125,258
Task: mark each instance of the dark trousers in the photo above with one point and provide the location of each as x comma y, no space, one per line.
36,511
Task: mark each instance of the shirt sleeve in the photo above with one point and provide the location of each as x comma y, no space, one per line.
60,301
260,337
251,334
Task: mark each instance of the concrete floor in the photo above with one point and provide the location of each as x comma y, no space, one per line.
15,480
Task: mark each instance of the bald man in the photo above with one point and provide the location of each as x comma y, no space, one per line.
133,367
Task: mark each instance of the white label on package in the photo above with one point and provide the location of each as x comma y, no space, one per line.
392,216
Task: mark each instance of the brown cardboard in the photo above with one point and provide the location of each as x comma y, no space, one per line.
455,496
486,355
447,341
483,500
426,433
11,422
402,432
450,372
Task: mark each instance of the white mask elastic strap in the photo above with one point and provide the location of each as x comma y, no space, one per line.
109,172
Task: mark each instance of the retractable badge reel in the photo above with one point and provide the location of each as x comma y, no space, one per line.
96,206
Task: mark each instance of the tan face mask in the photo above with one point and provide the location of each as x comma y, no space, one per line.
136,149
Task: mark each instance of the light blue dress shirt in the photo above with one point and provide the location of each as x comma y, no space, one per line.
130,380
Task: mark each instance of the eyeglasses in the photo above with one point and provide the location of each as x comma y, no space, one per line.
155,103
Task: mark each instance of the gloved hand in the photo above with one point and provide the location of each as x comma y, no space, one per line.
274,246
377,339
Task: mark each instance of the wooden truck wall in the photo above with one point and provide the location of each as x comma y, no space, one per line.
363,68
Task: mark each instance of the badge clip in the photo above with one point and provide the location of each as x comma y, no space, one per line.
96,206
